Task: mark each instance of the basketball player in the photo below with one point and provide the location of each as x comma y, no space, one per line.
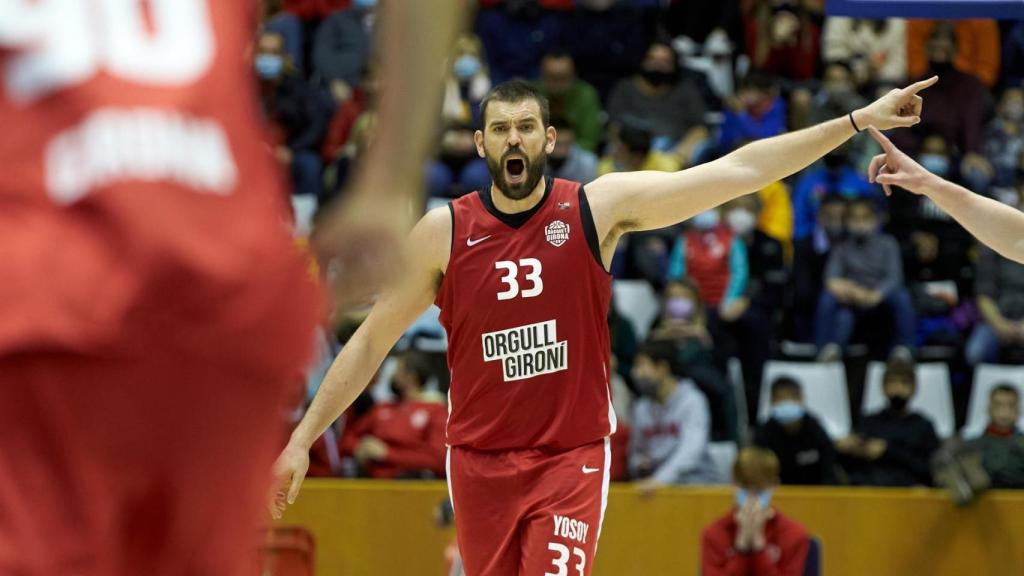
152,309
520,271
995,224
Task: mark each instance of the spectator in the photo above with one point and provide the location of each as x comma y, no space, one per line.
938,274
459,168
516,35
837,97
835,175
892,447
405,438
342,45
711,255
784,36
956,104
749,320
569,160
754,539
673,110
683,322
863,278
876,50
671,424
290,27
630,149
1002,444
1003,141
347,113
757,111
805,452
1000,293
298,113
978,53
1013,55
810,255
572,99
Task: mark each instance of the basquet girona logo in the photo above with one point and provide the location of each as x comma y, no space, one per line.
557,233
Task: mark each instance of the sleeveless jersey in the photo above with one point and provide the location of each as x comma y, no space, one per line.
526,312
135,171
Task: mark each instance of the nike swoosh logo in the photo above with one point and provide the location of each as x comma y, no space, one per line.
470,242
587,470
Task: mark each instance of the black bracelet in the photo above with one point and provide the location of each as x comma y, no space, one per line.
854,123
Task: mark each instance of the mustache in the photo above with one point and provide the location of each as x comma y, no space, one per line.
516,152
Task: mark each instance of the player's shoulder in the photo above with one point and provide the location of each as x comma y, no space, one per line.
431,238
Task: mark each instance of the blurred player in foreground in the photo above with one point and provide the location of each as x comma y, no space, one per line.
153,311
997,225
519,271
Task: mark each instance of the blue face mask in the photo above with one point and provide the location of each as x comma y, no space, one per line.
706,220
466,67
742,495
787,411
364,4
269,66
935,163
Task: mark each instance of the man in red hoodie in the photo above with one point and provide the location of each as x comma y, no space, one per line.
754,539
405,438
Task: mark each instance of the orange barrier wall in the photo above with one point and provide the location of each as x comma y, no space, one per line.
386,529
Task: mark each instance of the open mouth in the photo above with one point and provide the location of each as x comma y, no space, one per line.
515,170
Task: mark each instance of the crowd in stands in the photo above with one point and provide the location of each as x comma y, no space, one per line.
822,262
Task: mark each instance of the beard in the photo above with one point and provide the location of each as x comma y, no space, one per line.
532,167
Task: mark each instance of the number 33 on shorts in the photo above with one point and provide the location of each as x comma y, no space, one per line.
561,563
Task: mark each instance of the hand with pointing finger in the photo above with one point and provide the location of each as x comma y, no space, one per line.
894,168
900,108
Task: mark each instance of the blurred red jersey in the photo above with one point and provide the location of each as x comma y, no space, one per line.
152,307
525,304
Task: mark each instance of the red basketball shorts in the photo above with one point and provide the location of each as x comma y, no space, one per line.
529,512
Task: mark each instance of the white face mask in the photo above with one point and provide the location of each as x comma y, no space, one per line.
741,221
706,220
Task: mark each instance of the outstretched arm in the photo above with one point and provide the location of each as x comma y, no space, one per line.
398,307
997,225
631,201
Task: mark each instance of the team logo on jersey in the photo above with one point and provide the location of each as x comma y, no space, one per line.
557,233
527,351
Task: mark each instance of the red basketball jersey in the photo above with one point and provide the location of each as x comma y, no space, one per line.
525,302
135,172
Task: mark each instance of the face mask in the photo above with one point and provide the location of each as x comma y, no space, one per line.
834,231
940,68
935,163
679,308
466,67
898,403
647,387
269,66
1014,111
860,233
706,220
787,412
742,495
364,4
741,221
659,77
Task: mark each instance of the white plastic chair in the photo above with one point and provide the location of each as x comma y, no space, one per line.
723,454
824,390
636,300
934,396
986,377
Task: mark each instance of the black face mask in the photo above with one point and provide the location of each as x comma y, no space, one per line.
898,403
396,391
659,77
940,68
646,386
834,233
556,162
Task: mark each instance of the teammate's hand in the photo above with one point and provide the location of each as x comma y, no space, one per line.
360,244
648,487
289,471
900,108
894,168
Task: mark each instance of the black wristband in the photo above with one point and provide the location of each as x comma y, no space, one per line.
854,123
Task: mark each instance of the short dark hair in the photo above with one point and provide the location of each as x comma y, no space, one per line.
558,54
865,202
415,362
900,369
786,384
660,350
1004,387
636,139
515,90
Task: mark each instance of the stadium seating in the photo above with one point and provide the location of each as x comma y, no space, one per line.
934,397
723,454
824,388
986,377
636,300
